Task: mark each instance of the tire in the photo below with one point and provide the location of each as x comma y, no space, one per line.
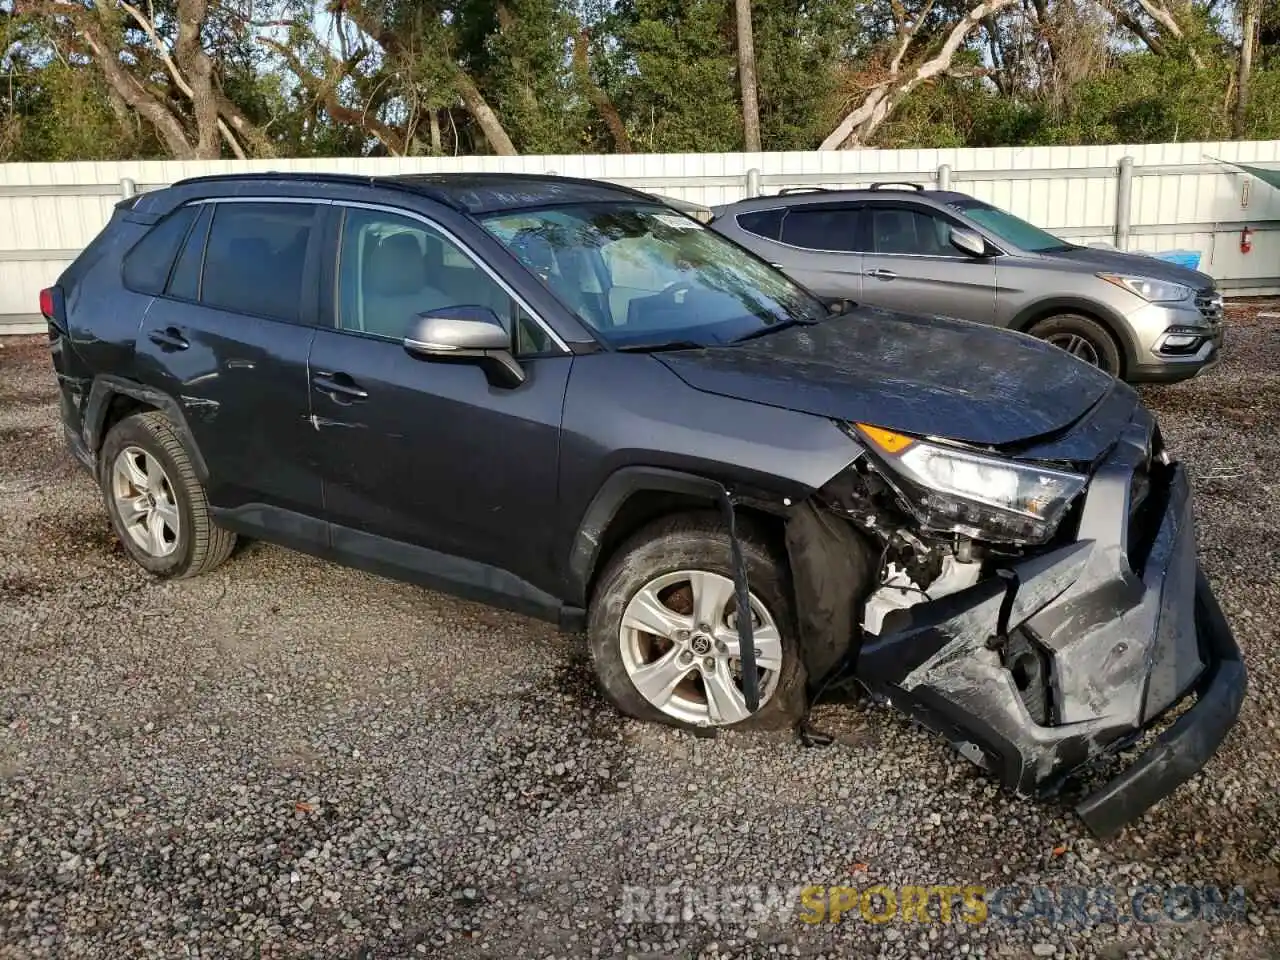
1083,337
697,544
176,498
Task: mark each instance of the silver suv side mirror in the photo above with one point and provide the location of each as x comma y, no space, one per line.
967,242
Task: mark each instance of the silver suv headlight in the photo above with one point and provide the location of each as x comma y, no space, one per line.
1153,291
950,490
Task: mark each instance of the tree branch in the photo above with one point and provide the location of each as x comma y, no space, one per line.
861,123
151,108
162,51
326,91
596,94
1169,24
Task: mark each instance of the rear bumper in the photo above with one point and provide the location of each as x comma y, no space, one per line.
1179,752
1105,636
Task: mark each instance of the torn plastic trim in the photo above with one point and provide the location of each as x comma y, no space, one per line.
1182,750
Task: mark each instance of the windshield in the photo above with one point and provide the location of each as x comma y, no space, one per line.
1011,229
641,274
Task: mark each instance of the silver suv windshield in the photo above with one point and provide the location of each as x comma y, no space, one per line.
1013,230
642,275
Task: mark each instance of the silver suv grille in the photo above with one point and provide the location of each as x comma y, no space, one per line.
1209,303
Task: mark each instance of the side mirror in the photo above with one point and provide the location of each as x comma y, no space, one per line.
839,307
469,334
968,242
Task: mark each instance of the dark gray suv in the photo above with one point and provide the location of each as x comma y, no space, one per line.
567,399
941,252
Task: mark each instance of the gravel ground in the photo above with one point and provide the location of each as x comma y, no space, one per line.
287,758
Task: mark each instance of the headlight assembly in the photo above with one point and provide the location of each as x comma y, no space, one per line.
955,491
1153,291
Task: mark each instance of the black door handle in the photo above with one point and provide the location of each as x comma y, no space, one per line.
170,337
339,386
882,274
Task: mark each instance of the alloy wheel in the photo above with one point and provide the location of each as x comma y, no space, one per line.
680,647
145,502
1077,346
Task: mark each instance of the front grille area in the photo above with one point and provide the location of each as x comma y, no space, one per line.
1209,303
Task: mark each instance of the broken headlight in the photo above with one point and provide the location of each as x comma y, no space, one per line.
950,490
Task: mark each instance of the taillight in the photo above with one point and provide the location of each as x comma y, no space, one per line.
53,308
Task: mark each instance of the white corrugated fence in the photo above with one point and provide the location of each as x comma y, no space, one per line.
1142,197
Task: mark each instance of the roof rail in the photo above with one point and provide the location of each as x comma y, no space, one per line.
787,190
892,184
358,179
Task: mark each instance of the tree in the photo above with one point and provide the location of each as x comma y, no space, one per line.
1248,36
231,78
747,76
157,65
403,55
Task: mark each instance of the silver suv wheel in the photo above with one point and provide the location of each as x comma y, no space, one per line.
1077,346
679,645
145,502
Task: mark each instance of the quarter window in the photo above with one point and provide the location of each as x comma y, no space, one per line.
146,268
763,223
256,258
393,268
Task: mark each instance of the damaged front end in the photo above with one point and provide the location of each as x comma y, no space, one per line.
1047,616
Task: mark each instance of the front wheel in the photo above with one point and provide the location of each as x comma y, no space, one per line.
1083,338
662,628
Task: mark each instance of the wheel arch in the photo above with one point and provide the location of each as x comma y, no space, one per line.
111,399
1100,314
633,497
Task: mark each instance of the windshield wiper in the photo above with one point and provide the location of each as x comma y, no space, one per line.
774,328
657,346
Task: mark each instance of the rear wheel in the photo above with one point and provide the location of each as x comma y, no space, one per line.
1083,338
662,628
155,500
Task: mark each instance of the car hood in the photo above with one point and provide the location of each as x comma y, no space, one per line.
1117,261
927,376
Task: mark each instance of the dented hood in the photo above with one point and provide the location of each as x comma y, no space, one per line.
921,375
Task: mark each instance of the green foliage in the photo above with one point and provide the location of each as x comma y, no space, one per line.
518,52
676,74
668,68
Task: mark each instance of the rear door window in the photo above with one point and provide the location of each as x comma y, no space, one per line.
255,258
823,228
146,267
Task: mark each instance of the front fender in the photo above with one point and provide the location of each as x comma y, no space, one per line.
631,425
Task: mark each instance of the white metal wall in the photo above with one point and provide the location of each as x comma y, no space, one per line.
1181,198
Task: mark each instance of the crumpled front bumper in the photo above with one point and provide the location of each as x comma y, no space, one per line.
1117,628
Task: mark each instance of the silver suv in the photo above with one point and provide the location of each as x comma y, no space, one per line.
905,248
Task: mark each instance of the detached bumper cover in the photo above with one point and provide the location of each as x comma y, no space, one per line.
1123,627
1187,745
